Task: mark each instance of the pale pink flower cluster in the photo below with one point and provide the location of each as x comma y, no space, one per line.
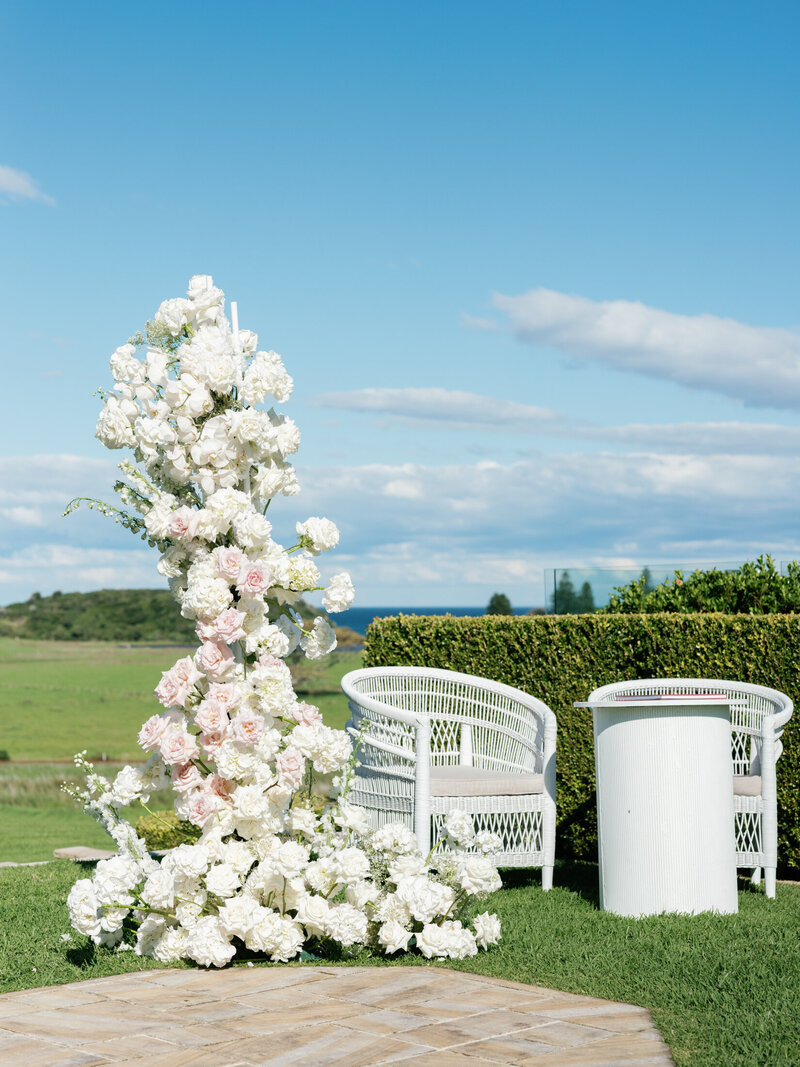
237,747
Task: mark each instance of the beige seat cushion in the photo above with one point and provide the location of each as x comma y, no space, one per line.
474,782
747,785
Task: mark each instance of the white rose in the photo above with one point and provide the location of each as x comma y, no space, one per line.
459,827
320,641
314,913
238,915
351,866
393,937
487,929
157,373
173,315
478,874
83,908
159,889
222,880
114,428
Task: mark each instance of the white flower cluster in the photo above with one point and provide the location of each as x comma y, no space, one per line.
269,871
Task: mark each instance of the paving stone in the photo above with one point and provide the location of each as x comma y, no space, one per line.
31,863
325,1016
82,852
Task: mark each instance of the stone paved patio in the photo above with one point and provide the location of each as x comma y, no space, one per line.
346,1016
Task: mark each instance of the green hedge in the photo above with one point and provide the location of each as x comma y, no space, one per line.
562,658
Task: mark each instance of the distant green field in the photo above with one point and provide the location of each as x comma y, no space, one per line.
57,698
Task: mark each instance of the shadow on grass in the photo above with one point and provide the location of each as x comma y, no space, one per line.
82,957
575,876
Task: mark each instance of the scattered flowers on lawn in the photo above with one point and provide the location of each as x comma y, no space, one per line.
272,872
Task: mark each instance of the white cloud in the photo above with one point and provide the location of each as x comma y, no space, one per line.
417,533
758,365
453,410
18,185
23,516
44,568
473,528
475,322
745,437
448,407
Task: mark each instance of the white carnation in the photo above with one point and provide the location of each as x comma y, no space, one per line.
265,376
317,535
339,594
207,944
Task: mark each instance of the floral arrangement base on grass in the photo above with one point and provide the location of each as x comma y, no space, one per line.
270,872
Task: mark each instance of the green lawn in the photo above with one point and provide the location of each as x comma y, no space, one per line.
60,697
722,989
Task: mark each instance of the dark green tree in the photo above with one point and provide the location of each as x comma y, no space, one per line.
499,604
584,602
565,599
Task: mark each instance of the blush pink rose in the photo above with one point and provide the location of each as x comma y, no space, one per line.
201,808
182,523
185,777
168,691
291,767
253,580
178,745
212,740
177,683
214,659
217,786
186,673
305,714
270,661
205,629
226,694
248,727
229,562
152,731
211,717
229,626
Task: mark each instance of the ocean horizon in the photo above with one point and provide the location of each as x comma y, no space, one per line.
358,619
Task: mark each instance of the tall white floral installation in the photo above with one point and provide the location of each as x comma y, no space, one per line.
270,873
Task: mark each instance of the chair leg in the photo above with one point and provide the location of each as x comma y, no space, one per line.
756,876
769,881
547,878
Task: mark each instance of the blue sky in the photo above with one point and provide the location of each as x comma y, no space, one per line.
532,266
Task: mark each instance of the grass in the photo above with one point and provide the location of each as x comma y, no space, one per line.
722,989
57,697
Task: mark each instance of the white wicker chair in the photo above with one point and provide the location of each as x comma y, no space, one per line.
433,741
758,715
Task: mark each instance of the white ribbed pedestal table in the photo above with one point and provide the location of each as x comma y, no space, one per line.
665,817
